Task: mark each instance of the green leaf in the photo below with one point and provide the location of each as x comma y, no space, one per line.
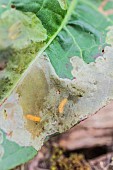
82,36
23,36
79,31
14,154
4,5
49,12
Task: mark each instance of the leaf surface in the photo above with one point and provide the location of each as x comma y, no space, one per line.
13,152
40,92
23,35
63,4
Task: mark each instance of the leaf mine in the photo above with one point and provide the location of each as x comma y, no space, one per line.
53,104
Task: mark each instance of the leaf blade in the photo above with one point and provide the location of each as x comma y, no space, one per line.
15,155
71,40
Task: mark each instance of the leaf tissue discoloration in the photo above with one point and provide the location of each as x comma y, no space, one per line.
22,35
42,103
63,4
59,103
37,95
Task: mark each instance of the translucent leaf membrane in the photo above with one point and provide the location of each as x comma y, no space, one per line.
56,104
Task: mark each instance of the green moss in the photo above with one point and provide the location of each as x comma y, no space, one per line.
60,162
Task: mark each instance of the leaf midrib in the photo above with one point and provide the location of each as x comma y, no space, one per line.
72,6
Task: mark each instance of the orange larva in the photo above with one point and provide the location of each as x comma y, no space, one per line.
33,118
61,105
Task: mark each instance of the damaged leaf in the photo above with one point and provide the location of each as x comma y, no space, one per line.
63,4
57,104
23,35
70,79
